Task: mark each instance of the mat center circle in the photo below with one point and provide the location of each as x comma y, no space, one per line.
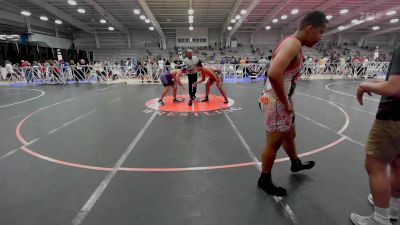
215,102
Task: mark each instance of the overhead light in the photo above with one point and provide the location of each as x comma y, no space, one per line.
191,21
394,20
142,17
391,13
44,18
243,11
284,17
81,11
136,11
191,28
190,11
103,21
376,28
58,21
344,11
25,13
328,17
233,20
355,21
191,17
268,27
110,28
294,11
147,21
238,17
72,2
151,28
341,27
369,18
275,20
229,28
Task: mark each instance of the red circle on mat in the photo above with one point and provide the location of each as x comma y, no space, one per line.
214,103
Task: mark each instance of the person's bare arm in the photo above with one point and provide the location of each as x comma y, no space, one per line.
287,52
203,78
390,87
178,80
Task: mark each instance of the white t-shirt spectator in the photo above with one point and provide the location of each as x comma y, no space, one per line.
9,68
160,64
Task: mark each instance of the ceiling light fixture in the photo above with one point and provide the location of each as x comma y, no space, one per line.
72,2
294,11
394,20
369,18
391,13
25,13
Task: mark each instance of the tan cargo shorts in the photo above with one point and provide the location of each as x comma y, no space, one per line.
384,140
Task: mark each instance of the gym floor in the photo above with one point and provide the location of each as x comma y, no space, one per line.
107,154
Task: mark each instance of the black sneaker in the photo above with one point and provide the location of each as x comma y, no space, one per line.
226,101
205,99
176,101
190,102
298,166
160,102
271,189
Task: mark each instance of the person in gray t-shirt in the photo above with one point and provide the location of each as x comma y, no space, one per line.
190,63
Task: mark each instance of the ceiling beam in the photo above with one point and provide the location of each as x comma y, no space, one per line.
150,15
19,19
230,15
365,23
326,5
385,31
110,18
63,16
275,11
250,9
356,12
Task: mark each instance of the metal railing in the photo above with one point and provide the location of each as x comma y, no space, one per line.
151,73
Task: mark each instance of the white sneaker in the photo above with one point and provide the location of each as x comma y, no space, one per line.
394,213
365,220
